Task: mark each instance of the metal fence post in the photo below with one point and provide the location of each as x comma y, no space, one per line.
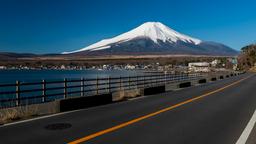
82,86
137,81
165,80
43,91
97,85
156,78
120,83
144,81
65,88
109,86
152,80
129,82
17,93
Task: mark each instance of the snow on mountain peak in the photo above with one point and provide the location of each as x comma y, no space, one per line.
158,31
153,30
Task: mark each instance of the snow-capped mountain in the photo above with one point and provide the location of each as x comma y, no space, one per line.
154,38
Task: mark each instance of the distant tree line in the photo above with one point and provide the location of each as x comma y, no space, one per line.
247,58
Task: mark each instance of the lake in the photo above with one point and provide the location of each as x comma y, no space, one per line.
10,76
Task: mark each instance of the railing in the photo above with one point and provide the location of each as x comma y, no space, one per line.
20,94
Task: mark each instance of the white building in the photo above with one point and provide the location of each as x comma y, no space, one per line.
62,67
215,62
199,67
130,67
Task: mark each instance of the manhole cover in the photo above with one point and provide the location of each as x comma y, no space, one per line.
58,126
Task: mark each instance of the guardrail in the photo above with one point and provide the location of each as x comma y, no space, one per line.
26,93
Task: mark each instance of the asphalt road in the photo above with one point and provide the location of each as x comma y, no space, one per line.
212,113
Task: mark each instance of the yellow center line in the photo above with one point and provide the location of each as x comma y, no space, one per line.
94,135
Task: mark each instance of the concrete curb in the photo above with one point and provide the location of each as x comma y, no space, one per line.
84,102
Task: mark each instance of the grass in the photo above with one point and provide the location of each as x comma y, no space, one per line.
253,69
17,113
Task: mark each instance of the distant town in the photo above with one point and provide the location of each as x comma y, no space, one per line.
195,66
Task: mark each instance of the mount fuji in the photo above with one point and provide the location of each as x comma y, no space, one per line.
154,38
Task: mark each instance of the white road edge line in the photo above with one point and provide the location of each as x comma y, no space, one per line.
37,118
248,129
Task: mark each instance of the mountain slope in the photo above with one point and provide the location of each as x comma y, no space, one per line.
14,56
154,38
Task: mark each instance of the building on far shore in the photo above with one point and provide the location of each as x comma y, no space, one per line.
199,67
2,67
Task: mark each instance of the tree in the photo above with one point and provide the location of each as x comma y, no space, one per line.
247,58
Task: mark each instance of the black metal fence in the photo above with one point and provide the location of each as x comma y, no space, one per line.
18,94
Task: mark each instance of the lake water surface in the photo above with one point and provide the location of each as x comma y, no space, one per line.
10,76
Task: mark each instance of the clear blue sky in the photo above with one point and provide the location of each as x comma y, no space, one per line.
54,26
